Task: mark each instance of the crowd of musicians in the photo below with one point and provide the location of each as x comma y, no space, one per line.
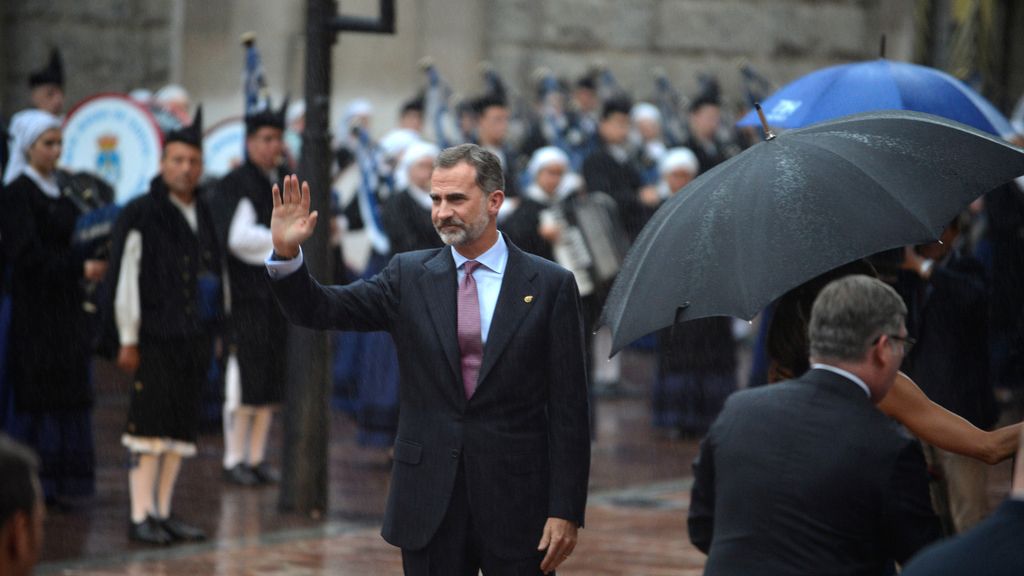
178,292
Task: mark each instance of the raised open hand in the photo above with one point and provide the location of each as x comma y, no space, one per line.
291,222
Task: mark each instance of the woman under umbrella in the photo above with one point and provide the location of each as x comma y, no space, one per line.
788,350
49,348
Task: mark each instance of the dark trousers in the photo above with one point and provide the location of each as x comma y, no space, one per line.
457,549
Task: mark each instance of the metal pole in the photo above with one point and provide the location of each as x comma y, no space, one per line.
307,416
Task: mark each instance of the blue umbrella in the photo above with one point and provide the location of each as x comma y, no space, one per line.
882,84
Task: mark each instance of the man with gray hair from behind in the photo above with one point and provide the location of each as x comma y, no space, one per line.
21,509
806,476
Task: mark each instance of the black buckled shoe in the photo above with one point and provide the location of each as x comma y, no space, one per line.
149,531
181,531
241,475
264,474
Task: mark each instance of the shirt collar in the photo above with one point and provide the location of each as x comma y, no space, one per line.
844,373
48,184
180,204
494,258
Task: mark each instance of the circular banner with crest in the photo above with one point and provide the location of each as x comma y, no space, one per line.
115,138
223,147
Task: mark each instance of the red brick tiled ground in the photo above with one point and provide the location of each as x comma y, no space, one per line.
636,519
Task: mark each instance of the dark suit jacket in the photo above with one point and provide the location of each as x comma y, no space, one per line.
523,438
807,476
992,548
948,314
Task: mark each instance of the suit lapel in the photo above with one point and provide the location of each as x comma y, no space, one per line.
511,308
437,284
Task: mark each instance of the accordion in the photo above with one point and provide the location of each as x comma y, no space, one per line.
593,242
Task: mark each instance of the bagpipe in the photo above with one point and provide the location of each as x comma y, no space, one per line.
254,81
495,86
94,199
92,239
371,179
559,126
438,121
608,87
493,83
670,103
756,87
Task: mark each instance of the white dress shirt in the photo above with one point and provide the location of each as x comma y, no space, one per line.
248,240
488,279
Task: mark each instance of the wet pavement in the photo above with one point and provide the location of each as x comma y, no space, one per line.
636,516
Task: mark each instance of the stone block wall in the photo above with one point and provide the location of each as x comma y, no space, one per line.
107,45
782,39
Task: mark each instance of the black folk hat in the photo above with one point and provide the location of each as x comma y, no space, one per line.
266,117
191,134
52,73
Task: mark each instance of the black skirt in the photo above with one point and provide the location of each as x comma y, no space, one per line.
259,333
166,395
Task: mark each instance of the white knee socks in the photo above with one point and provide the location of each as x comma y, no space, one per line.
258,435
170,464
142,485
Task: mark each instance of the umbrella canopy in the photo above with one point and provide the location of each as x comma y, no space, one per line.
793,207
838,91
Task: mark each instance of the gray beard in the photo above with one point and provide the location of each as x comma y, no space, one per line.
467,232
453,238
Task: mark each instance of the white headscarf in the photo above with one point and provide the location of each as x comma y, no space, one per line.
679,158
26,127
358,108
394,143
544,156
645,111
170,95
296,110
414,153
141,96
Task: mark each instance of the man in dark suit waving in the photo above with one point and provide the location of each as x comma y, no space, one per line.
806,476
493,451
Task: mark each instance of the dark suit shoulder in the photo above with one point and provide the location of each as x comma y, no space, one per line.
991,548
545,266
825,390
417,256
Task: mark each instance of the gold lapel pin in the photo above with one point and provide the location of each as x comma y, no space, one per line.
527,299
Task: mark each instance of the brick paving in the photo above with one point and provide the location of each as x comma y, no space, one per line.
636,517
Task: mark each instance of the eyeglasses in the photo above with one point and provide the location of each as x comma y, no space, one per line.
906,341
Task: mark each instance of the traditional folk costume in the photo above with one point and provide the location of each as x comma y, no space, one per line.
167,302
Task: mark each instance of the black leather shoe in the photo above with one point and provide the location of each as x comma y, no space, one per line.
149,531
181,531
264,474
240,475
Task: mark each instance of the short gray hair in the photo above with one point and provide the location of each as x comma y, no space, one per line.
489,176
849,314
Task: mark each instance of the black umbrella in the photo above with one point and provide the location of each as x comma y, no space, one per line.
798,205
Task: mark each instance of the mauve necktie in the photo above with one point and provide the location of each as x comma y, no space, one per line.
470,343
